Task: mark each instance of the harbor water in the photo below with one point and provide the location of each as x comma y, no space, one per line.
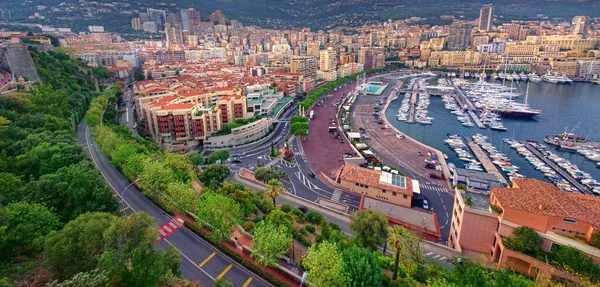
575,105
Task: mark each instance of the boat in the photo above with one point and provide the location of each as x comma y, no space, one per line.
523,76
550,78
533,77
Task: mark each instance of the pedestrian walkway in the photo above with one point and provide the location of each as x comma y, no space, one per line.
337,194
434,187
167,229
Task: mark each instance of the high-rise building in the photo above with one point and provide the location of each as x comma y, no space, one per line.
218,17
173,34
189,18
306,66
581,25
327,59
312,49
149,27
136,24
485,17
368,57
459,36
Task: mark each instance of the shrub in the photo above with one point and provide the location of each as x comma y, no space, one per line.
248,225
302,239
314,217
302,231
286,208
310,228
298,214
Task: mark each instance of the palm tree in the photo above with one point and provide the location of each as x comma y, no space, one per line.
274,189
398,238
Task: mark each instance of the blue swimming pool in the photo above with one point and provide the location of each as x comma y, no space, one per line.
372,89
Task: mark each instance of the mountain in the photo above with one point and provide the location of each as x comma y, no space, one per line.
317,14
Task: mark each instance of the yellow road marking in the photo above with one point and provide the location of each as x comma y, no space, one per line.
224,271
247,282
126,207
207,259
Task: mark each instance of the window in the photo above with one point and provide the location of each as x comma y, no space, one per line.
394,193
383,190
366,186
567,220
405,196
356,184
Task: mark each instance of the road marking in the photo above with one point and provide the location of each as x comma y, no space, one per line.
162,233
429,253
126,207
436,256
167,229
172,224
337,193
247,282
207,259
224,271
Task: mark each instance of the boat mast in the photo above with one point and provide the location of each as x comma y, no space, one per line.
527,94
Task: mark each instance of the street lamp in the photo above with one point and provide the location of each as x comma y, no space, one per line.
125,189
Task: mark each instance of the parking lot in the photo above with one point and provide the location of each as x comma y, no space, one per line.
324,149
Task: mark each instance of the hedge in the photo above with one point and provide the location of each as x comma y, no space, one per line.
236,256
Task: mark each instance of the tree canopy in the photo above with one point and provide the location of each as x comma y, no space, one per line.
214,175
219,213
270,243
221,155
369,228
325,265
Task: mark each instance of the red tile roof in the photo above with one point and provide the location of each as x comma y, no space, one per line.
371,177
535,196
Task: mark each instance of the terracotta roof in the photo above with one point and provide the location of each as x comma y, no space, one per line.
372,177
535,196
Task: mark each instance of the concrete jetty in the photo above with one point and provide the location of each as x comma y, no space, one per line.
558,169
476,119
487,164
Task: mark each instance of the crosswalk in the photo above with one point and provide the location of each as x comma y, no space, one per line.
289,164
438,257
434,188
167,229
305,180
337,194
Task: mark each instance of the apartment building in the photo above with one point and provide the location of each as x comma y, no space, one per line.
232,107
569,68
480,222
327,59
306,66
568,42
588,69
454,58
288,83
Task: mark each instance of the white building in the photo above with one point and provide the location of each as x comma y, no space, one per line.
96,29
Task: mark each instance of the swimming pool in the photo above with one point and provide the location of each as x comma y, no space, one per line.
374,88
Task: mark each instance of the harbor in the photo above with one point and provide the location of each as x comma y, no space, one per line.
562,105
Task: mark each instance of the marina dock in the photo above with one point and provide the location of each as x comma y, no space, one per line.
462,99
485,160
413,102
476,119
557,169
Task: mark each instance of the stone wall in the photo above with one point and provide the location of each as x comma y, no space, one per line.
15,59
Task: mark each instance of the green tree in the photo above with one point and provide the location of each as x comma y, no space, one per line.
23,226
138,74
575,260
196,158
10,188
325,265
77,247
4,122
398,239
278,217
270,243
299,129
299,119
361,265
93,278
155,177
47,158
526,240
265,174
130,257
244,197
214,175
181,197
73,190
273,189
181,167
369,228
221,155
219,213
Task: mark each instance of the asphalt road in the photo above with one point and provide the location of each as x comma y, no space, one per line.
199,260
402,154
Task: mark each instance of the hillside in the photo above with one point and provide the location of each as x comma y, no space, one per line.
317,14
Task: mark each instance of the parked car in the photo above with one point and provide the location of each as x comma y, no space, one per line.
425,204
236,160
304,209
437,176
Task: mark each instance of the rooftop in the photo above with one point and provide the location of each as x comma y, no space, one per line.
374,178
535,196
412,217
480,201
